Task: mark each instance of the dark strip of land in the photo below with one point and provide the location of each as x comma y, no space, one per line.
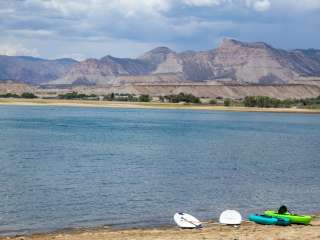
150,105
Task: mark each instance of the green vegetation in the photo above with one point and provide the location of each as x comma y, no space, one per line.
75,95
213,102
227,102
28,95
127,98
23,95
250,101
312,102
268,102
181,97
121,97
9,95
144,98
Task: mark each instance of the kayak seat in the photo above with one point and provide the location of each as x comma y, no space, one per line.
283,209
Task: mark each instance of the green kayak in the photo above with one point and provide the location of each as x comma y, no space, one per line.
294,218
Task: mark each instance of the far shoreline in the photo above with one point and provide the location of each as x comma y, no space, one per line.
146,105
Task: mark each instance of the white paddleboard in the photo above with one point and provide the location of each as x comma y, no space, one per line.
185,220
230,217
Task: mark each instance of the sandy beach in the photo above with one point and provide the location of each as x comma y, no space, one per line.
212,231
151,105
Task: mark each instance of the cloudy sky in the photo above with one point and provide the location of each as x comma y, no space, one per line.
94,28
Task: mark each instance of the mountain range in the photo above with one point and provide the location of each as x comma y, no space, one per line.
232,62
33,70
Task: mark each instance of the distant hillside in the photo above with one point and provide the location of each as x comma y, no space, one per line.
233,62
33,70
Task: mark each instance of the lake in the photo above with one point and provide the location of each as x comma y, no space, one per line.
69,167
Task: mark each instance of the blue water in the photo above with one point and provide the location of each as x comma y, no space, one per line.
63,167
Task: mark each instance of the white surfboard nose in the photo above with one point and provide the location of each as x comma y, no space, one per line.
185,220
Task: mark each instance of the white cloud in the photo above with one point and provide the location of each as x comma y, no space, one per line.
83,8
17,50
88,7
129,26
203,3
262,6
7,11
86,10
299,5
311,4
259,5
129,8
31,33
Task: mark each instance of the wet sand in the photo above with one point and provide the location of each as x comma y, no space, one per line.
151,105
212,231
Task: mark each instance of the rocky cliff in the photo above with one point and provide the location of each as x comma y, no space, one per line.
232,62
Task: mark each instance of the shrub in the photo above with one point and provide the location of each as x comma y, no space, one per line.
144,98
227,102
72,95
28,95
182,97
213,102
75,95
267,102
250,101
9,95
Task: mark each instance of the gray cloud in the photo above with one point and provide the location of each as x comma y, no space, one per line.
128,27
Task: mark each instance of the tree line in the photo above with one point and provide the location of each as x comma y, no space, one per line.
181,97
26,95
268,102
108,97
249,101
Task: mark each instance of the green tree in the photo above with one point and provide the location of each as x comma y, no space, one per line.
144,98
213,101
227,102
250,101
75,95
28,95
70,95
182,97
286,103
132,98
9,95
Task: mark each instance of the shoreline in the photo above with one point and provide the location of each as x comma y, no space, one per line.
211,230
147,105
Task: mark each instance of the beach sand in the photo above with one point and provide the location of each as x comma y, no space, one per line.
211,231
151,105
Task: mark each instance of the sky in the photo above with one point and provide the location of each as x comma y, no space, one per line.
127,28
